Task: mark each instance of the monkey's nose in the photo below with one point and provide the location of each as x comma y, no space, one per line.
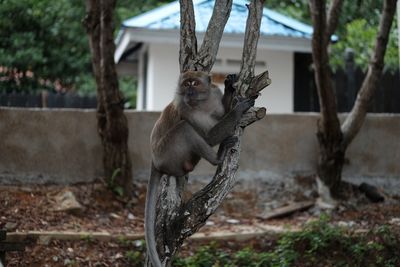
191,92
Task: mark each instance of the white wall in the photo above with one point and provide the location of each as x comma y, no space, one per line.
163,71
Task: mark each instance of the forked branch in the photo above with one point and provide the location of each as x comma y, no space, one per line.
212,38
177,220
195,212
188,41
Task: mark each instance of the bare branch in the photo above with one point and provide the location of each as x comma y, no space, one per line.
251,36
177,220
188,41
209,48
333,17
329,123
252,115
258,83
355,119
205,202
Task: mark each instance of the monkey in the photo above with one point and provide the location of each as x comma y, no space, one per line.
198,118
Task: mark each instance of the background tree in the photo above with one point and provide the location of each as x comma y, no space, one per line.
176,219
41,43
334,138
357,28
44,46
111,120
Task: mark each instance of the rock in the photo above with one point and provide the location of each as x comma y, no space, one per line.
210,223
10,226
66,201
346,224
232,221
131,216
115,216
395,221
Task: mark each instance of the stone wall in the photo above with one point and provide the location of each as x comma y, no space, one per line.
62,146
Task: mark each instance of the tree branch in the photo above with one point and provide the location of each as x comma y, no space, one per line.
212,38
188,41
204,203
251,36
329,124
333,17
177,220
355,119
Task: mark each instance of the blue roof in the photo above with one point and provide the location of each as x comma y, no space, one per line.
168,17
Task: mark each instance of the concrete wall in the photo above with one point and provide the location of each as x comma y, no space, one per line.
163,64
62,146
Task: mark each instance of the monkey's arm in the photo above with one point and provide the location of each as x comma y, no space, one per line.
226,126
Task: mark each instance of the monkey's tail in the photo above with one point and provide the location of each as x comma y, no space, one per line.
150,216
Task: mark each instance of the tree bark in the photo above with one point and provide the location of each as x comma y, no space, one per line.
334,139
204,59
331,154
111,120
176,219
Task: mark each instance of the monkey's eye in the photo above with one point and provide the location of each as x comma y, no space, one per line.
187,83
195,83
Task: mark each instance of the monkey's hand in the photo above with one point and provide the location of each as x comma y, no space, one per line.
226,144
229,81
243,104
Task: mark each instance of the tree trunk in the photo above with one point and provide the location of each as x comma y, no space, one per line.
111,120
177,220
334,139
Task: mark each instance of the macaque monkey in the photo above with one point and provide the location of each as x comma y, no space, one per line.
197,119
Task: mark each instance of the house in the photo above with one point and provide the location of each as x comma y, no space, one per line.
148,47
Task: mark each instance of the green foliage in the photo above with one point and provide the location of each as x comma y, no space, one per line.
319,244
43,45
357,28
88,239
134,257
360,36
128,86
113,186
44,37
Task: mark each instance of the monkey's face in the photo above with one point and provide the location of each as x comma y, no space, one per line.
194,91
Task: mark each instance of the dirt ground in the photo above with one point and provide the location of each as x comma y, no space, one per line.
35,208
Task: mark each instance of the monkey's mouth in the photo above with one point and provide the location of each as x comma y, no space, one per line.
192,102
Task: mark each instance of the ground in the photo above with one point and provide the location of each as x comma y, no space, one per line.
34,208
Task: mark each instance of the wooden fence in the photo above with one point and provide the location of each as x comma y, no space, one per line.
47,100
347,81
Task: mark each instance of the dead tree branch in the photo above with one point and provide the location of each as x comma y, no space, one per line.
177,220
251,36
188,41
212,38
